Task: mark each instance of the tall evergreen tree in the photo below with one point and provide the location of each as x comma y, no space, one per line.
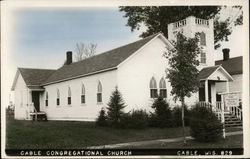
115,108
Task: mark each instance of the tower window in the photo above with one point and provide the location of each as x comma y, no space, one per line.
203,38
203,57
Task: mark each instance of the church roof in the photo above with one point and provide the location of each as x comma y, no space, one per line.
106,61
35,77
233,65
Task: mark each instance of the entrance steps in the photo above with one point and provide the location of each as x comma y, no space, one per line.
38,116
232,121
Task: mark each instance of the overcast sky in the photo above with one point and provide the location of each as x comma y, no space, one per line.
40,37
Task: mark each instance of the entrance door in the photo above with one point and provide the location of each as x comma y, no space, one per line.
36,100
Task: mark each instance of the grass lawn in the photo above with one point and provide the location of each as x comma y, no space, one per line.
62,134
235,141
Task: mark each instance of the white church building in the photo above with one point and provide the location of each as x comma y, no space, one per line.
79,90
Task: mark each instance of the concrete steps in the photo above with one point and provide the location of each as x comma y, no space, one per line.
232,121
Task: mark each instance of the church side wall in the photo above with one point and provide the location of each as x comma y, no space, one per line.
134,76
21,99
234,86
77,111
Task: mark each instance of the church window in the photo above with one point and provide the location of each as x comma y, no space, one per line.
163,89
203,57
99,92
69,96
153,88
58,97
83,94
46,99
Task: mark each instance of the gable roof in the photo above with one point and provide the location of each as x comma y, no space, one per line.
99,63
233,65
206,72
33,77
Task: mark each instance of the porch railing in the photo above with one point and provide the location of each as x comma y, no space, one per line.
32,109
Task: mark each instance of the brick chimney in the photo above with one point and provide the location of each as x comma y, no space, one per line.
68,57
225,54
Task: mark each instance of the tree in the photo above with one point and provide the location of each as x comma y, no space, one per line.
115,108
102,119
157,18
84,51
162,115
183,74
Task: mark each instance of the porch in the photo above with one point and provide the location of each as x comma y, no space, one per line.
33,107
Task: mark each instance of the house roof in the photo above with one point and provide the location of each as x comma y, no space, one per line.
232,66
206,72
35,77
101,62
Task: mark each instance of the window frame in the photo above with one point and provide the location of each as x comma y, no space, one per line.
153,88
163,88
83,97
46,99
99,93
69,102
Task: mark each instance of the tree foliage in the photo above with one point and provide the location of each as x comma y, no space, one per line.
204,124
115,108
183,63
84,51
162,115
157,18
102,118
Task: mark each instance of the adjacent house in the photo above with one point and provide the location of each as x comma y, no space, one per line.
78,90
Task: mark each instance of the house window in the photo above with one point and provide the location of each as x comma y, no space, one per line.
46,99
203,38
58,97
153,88
203,57
163,89
99,92
83,94
69,96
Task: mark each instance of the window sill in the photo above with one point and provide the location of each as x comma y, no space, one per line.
83,104
99,103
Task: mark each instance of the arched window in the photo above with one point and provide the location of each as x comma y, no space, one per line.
203,38
69,96
83,94
46,99
153,88
99,92
57,97
163,88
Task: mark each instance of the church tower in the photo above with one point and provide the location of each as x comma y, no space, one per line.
189,27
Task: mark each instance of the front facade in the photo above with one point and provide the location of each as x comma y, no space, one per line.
79,90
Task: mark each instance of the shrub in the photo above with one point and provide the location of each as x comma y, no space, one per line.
176,116
162,115
115,108
102,118
137,119
204,125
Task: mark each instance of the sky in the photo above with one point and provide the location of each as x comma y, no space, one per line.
40,37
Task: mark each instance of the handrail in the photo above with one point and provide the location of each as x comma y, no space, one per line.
34,110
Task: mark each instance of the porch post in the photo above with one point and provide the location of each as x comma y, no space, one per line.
206,91
227,86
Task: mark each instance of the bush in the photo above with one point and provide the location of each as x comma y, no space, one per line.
204,125
162,115
102,118
176,116
138,119
115,108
